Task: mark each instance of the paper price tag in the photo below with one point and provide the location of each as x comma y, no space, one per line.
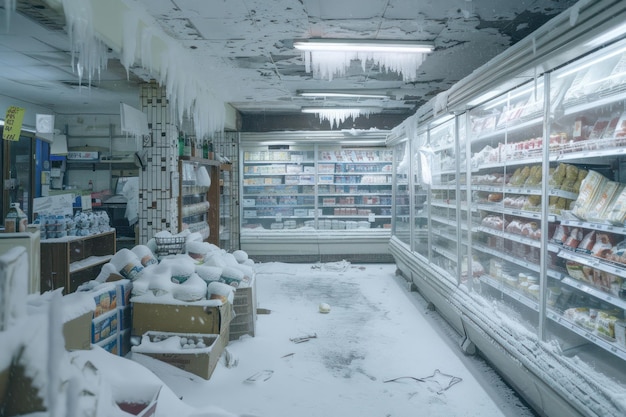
13,123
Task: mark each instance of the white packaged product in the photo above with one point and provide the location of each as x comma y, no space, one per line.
127,264
240,255
220,291
181,268
209,273
106,271
198,250
617,212
232,276
145,255
587,194
600,207
160,280
193,289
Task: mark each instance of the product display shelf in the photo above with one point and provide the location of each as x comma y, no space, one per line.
553,296
554,315
71,261
198,204
573,143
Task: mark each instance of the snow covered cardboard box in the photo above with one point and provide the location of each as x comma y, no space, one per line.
166,314
77,310
194,353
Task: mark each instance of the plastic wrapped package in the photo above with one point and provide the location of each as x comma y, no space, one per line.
604,198
588,192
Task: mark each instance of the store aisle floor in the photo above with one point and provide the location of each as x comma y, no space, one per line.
376,331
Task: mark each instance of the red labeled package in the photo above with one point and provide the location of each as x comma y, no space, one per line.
587,244
574,239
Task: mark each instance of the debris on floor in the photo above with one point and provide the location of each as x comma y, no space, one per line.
443,381
303,338
260,376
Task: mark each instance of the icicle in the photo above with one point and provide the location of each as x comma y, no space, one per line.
9,8
89,54
338,116
327,64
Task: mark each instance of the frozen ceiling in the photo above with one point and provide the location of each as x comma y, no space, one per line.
247,48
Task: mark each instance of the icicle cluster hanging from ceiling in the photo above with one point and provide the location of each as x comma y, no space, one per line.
327,64
338,116
173,66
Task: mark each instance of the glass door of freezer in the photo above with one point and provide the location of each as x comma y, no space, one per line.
440,161
421,183
505,148
586,280
401,219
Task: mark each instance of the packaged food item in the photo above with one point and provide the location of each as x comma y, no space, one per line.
620,130
574,238
617,253
603,245
581,131
529,228
616,214
587,244
560,234
514,226
580,316
15,220
605,325
588,192
575,270
599,127
604,198
610,128
534,178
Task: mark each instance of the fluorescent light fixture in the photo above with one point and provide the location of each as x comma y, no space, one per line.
326,58
608,36
516,94
484,97
346,94
601,58
354,45
351,108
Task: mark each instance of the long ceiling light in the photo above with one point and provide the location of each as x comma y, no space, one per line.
338,115
329,57
340,94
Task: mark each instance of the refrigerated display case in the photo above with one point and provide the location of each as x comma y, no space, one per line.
526,213
326,198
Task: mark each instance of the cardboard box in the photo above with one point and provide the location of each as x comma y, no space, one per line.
124,342
123,289
104,326
125,317
77,332
198,361
201,317
110,344
105,297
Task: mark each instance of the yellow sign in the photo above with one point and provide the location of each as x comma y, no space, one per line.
13,123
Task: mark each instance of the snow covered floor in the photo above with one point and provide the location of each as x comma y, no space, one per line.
376,331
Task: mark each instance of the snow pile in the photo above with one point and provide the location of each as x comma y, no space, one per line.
184,276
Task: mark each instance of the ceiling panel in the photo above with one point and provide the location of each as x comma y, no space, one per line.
245,48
